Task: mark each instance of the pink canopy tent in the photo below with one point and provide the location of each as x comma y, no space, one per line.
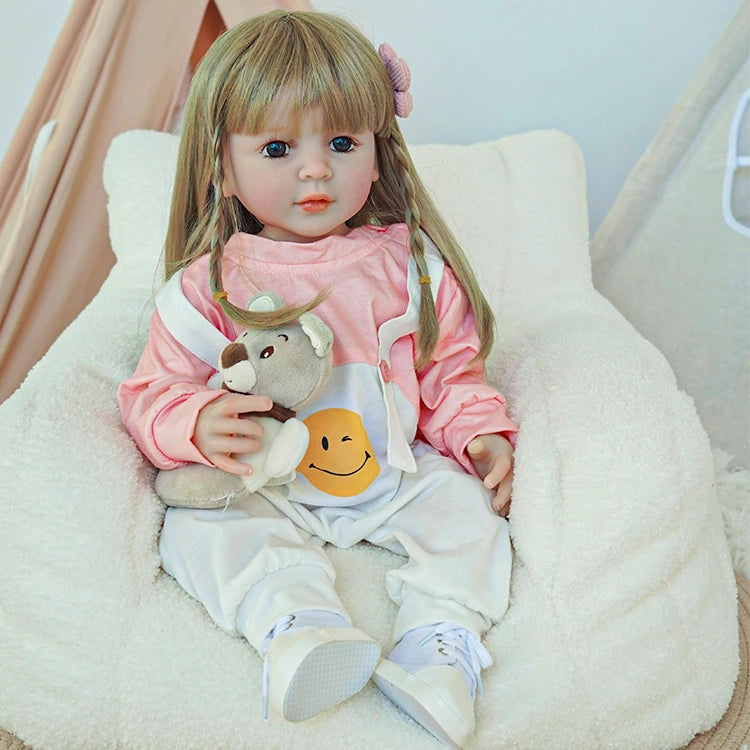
117,65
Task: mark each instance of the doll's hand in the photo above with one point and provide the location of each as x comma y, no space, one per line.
492,456
220,432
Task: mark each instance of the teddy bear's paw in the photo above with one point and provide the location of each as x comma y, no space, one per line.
288,449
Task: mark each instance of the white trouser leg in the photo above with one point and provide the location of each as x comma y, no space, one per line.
458,548
247,565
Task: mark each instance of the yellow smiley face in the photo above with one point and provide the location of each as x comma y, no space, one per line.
340,460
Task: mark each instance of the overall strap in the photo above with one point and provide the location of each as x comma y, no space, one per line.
399,450
188,327
406,324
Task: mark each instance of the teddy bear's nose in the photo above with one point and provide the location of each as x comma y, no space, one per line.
232,354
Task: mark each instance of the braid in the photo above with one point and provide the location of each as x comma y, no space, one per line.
399,195
428,332
224,222
218,232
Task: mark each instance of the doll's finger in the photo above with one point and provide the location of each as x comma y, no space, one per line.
504,510
499,471
501,501
232,465
493,478
239,426
477,450
228,444
239,403
239,445
479,455
247,403
223,427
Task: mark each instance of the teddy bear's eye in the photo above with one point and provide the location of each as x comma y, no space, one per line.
267,352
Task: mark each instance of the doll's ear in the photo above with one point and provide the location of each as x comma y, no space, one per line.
228,184
226,188
265,302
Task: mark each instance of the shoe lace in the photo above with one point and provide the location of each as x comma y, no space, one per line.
285,623
462,648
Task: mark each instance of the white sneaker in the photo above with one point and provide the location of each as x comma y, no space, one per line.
313,660
433,674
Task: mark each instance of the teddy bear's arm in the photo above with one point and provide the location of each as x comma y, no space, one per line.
288,449
198,486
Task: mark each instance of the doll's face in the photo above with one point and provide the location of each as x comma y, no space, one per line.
300,181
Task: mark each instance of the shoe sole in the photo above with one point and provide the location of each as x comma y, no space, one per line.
329,665
420,701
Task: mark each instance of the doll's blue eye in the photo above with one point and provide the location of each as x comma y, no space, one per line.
342,144
276,149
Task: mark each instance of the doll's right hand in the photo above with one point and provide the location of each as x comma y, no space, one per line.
220,432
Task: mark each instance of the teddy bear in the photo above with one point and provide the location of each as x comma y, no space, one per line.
291,364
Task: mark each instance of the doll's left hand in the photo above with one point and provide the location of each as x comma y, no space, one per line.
492,456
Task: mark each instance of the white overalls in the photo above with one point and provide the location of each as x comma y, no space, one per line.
364,478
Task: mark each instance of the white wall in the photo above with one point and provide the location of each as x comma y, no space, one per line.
606,72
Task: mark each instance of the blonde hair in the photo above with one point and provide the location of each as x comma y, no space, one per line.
315,59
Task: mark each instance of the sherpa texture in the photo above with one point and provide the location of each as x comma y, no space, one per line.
622,628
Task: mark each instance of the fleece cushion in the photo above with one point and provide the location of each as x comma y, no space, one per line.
622,628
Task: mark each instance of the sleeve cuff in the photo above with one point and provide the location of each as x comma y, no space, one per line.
174,429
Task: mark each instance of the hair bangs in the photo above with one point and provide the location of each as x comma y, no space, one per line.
303,65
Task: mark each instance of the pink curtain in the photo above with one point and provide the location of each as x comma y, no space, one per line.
117,65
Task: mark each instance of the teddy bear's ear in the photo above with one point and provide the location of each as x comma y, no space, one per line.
318,332
265,302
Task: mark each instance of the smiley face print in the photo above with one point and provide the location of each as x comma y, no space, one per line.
340,460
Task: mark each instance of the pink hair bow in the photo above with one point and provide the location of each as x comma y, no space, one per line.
398,72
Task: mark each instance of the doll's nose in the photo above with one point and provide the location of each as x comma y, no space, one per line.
315,167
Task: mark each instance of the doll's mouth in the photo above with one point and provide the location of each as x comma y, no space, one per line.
348,474
315,204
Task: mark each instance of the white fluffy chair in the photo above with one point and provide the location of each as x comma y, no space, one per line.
622,629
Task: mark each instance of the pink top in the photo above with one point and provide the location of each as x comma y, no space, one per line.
366,275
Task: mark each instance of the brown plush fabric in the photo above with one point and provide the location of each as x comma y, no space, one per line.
277,411
9,741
